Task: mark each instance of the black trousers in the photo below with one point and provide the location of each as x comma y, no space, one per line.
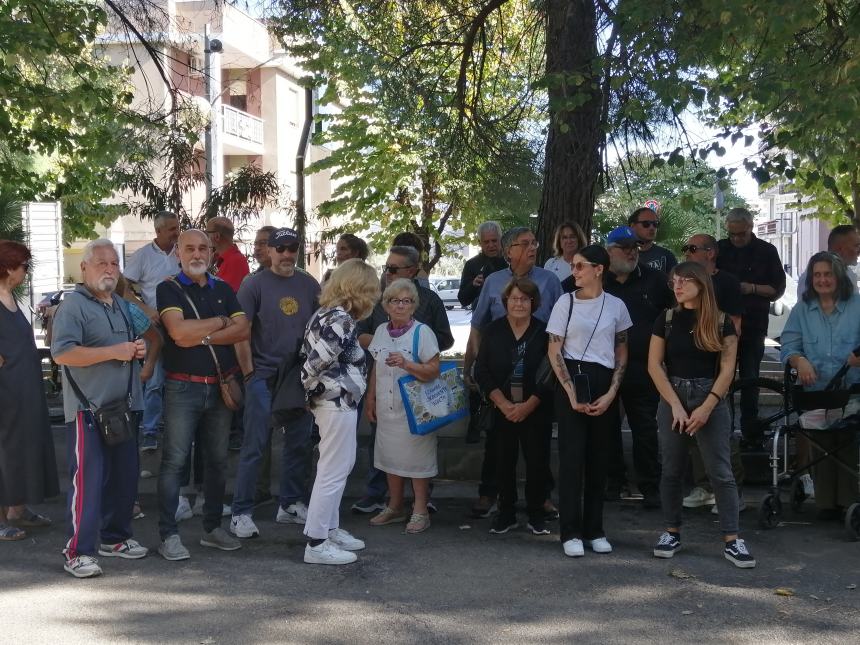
750,355
510,438
583,454
639,398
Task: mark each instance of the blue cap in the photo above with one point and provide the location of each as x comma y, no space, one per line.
621,236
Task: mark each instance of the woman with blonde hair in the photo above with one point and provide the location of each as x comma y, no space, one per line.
691,360
334,377
569,238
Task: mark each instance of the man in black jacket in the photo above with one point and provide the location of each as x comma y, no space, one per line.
488,261
757,265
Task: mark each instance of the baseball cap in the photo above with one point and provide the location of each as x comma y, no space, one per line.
282,236
621,236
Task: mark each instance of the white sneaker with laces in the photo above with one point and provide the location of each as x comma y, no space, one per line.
183,509
573,548
295,513
83,566
242,526
345,540
600,545
328,553
699,497
128,549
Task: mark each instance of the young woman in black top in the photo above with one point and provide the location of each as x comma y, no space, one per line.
511,350
692,362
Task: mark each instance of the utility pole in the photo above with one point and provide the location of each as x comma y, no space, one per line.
719,203
212,49
301,155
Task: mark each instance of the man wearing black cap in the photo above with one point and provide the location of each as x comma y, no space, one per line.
278,301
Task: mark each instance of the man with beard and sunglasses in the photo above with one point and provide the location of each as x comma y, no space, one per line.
278,301
645,222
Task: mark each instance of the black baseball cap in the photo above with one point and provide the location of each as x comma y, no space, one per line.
283,236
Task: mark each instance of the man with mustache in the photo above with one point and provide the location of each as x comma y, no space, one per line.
96,338
191,388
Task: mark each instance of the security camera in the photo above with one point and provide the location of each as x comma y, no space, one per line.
215,46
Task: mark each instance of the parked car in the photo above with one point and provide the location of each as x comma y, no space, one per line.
447,289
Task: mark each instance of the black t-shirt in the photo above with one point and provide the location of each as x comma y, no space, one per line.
727,292
683,358
215,299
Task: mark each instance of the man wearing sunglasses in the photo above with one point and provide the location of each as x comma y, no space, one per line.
278,302
645,223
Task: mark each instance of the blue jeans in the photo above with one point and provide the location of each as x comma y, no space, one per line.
295,457
185,406
152,401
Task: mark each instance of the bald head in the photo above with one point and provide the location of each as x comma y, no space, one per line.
702,248
220,231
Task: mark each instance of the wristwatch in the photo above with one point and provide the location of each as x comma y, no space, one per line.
207,340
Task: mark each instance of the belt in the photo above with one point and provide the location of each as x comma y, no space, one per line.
193,378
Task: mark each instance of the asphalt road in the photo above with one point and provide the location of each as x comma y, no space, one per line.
455,583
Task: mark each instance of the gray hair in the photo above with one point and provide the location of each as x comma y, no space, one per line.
399,286
511,236
408,252
739,215
268,229
490,227
161,218
101,243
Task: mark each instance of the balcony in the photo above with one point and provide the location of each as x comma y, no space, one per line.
242,132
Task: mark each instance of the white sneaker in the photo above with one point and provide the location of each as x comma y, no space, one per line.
808,486
328,553
183,509
345,540
128,549
600,545
83,566
242,526
295,513
573,548
226,510
699,497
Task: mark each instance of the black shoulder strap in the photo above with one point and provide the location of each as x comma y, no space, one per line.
667,326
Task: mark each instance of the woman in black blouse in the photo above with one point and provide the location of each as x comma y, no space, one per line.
691,360
511,349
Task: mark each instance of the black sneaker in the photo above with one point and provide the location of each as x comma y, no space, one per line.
667,545
504,522
538,527
737,553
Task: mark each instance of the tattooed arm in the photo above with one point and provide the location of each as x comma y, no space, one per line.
602,403
556,360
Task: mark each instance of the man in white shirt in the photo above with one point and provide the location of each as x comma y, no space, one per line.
844,241
145,269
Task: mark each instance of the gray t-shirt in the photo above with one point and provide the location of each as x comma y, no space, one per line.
278,309
83,321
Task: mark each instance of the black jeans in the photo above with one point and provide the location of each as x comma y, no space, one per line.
583,454
530,435
750,355
639,398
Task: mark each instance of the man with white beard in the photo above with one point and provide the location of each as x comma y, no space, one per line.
203,319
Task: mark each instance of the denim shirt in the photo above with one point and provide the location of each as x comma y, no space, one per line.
490,306
825,340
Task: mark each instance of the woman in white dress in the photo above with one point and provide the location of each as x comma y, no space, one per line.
397,452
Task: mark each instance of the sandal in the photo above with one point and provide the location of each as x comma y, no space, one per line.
418,523
29,519
11,533
388,516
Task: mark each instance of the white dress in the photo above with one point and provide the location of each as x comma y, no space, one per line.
397,451
559,266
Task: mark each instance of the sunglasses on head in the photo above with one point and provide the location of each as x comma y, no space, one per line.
693,248
648,223
393,269
292,248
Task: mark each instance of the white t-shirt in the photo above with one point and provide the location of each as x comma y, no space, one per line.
585,315
559,266
148,266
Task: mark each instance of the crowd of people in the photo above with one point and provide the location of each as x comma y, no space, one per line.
191,352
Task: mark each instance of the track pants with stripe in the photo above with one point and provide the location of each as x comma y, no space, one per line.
103,487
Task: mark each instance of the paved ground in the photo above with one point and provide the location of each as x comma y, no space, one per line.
455,583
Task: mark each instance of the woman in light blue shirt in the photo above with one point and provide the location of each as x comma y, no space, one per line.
821,332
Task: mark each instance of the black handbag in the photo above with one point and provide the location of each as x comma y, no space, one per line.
289,400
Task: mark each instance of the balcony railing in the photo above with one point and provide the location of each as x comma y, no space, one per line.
242,125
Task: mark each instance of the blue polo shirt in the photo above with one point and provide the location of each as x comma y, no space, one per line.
490,306
215,298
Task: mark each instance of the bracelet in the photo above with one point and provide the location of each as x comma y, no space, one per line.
719,398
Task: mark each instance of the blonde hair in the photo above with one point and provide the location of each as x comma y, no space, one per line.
399,286
354,286
706,332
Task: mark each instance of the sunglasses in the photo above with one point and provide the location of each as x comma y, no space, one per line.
579,266
292,248
680,282
400,301
648,223
692,248
393,269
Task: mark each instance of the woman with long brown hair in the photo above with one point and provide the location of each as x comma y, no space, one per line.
691,360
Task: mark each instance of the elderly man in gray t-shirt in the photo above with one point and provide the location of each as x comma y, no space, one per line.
278,301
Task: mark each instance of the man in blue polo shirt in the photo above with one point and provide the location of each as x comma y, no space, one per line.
203,320
520,247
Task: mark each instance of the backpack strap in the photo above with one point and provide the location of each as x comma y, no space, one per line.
667,327
415,342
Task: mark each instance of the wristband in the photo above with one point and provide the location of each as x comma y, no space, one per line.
719,398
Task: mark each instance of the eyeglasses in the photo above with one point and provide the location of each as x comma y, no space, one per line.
393,269
678,281
629,247
579,266
522,299
648,223
693,248
530,244
400,301
292,248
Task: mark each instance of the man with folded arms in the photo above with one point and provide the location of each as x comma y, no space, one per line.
192,393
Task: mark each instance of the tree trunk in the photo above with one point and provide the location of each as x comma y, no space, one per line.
576,138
